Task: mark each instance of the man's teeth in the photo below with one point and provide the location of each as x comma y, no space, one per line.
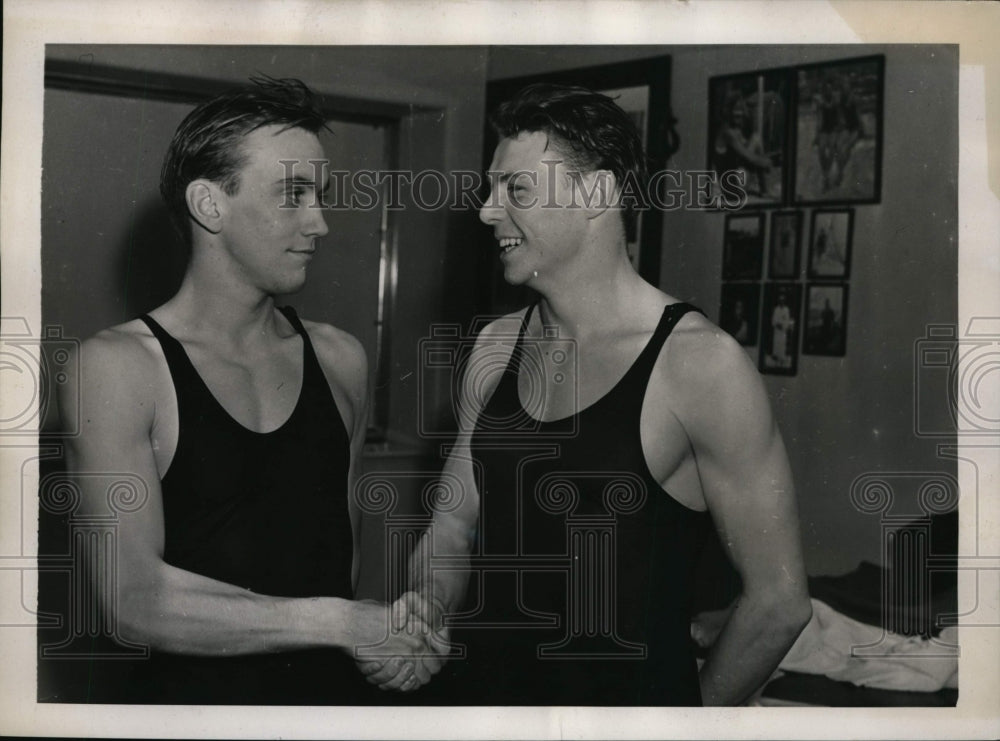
509,243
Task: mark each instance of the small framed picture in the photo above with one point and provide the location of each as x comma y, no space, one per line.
785,245
779,335
743,247
826,320
740,311
838,132
749,121
830,243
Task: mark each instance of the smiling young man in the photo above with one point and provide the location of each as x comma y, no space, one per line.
245,423
609,426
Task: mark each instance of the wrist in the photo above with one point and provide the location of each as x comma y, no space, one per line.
328,622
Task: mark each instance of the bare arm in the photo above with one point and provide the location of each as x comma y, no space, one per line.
747,484
168,608
434,593
453,529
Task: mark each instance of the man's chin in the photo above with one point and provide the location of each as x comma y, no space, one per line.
290,288
516,277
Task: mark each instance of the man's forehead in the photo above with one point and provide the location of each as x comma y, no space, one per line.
525,152
273,143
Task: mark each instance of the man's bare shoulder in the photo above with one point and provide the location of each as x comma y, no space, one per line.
484,367
340,353
122,378
507,326
126,351
699,359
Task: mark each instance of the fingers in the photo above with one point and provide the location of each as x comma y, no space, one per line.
401,611
416,642
370,666
439,642
414,667
396,681
417,604
399,674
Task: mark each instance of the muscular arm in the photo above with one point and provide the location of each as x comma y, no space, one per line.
433,594
453,529
748,488
168,608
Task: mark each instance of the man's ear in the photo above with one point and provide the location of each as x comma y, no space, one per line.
203,202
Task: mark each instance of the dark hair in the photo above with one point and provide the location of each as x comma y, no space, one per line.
207,143
588,128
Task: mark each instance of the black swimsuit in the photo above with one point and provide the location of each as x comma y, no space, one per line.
263,511
584,565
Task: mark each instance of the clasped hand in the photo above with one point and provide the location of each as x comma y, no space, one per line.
410,647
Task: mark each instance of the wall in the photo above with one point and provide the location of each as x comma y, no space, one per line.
840,417
843,417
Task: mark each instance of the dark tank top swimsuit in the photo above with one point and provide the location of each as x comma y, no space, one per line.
265,511
582,575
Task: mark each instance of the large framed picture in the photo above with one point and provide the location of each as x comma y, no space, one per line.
749,118
838,132
780,322
739,312
830,244
642,89
826,320
785,245
743,247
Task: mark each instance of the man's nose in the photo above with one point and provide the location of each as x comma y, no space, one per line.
492,211
316,225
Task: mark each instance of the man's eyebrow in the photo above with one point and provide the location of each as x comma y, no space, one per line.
299,180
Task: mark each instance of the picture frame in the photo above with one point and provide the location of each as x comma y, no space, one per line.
838,130
749,118
779,333
831,235
743,247
642,88
739,312
784,245
826,320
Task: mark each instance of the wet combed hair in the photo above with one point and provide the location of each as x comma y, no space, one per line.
587,128
207,144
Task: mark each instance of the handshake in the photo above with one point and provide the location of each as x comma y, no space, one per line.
400,646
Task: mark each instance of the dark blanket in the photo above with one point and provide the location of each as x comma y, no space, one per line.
913,593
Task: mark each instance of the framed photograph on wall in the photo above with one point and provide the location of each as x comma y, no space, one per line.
830,244
838,132
743,247
739,311
748,124
779,333
826,320
642,89
785,245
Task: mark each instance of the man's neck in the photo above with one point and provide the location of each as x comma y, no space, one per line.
595,297
222,309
